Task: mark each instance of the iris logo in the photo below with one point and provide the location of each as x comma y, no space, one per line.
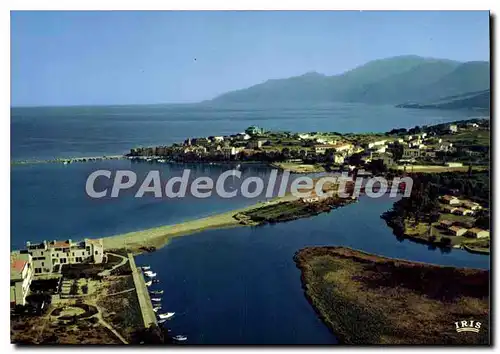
468,326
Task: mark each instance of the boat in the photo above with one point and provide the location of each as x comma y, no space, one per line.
161,321
156,309
150,274
145,267
180,338
148,283
156,292
165,316
157,299
162,160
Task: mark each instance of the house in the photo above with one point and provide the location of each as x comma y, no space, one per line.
409,152
451,200
321,148
476,232
217,139
47,255
343,147
255,144
463,211
310,199
200,141
254,130
448,209
228,151
471,205
452,128
446,224
338,159
21,274
457,230
387,158
453,164
376,143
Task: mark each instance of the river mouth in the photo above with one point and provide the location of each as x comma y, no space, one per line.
241,286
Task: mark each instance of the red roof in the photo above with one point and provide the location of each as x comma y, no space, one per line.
18,264
60,244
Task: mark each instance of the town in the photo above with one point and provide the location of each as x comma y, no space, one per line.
443,147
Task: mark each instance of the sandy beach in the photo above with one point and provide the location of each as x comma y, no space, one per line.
159,236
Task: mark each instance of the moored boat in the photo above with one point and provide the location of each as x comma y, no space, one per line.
156,299
164,316
180,337
148,283
145,267
156,292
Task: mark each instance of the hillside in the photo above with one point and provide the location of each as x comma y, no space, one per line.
397,80
472,100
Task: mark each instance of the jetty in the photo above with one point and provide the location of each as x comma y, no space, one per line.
145,305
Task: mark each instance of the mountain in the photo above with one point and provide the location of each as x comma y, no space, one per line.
396,80
472,100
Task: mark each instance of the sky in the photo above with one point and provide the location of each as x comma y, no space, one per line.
101,58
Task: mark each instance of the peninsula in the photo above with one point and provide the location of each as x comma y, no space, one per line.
369,299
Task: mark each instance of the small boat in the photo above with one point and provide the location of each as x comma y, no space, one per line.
156,309
146,268
156,292
162,160
180,338
157,299
166,316
150,274
148,283
161,321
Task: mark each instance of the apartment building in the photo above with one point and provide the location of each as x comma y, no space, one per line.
21,274
47,257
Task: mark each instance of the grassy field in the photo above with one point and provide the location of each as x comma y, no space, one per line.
470,137
367,299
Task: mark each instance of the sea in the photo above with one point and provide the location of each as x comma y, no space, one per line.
227,286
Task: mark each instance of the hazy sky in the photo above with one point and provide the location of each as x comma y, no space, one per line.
71,58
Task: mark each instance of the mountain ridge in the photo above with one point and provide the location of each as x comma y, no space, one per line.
395,80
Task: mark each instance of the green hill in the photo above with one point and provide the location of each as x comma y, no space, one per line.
396,80
473,100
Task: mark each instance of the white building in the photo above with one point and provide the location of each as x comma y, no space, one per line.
47,255
376,143
21,274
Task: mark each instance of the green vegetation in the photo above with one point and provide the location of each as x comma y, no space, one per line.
287,211
368,299
396,80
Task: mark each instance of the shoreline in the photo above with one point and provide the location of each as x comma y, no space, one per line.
361,285
159,236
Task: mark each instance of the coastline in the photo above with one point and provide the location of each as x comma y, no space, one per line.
353,293
159,236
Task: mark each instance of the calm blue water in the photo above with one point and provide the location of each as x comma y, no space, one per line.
241,285
228,286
